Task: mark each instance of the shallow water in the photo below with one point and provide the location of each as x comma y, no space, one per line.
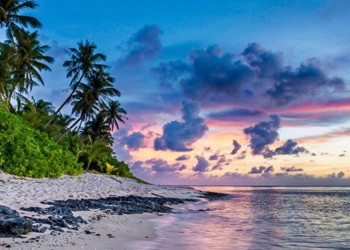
259,218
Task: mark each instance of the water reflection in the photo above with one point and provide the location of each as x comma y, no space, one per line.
261,218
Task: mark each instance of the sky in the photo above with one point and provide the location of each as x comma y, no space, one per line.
218,93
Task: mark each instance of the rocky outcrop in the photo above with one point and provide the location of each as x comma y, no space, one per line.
60,213
12,223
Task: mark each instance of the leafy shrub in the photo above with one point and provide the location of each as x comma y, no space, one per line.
25,151
109,168
110,165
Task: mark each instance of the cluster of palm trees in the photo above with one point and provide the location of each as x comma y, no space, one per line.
95,112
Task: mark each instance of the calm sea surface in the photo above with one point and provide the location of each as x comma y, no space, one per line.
259,218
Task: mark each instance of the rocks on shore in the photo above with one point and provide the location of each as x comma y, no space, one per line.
60,213
11,223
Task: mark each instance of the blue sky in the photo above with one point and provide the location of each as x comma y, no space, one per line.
196,75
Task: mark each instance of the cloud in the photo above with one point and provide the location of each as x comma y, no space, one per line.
134,141
291,169
242,155
280,179
213,157
143,45
309,80
202,165
171,72
261,170
183,158
265,64
162,166
289,148
263,134
236,147
179,136
221,161
215,74
212,76
235,114
339,175
157,170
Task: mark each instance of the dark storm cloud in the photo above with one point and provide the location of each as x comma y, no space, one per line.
143,45
179,136
171,72
202,165
215,74
261,170
291,169
183,158
235,114
265,64
263,134
236,147
307,80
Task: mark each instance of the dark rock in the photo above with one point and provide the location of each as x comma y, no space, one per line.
60,213
215,196
12,223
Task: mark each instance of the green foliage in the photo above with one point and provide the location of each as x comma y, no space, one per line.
118,168
27,146
25,151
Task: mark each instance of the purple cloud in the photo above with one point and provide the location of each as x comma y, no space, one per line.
179,136
263,134
261,170
183,158
171,72
291,169
236,147
309,80
202,165
143,45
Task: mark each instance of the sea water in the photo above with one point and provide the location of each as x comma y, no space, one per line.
259,218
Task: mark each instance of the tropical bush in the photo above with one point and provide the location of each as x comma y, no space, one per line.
25,151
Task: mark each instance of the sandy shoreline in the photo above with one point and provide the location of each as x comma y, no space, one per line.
102,231
109,232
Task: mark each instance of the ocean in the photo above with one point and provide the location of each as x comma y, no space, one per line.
259,218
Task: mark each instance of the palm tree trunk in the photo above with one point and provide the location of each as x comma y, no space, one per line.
67,131
65,102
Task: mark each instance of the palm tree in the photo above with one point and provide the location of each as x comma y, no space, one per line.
84,105
97,129
30,60
12,20
88,101
96,149
21,64
101,85
114,114
83,62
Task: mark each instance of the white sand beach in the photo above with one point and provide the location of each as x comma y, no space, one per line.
102,231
